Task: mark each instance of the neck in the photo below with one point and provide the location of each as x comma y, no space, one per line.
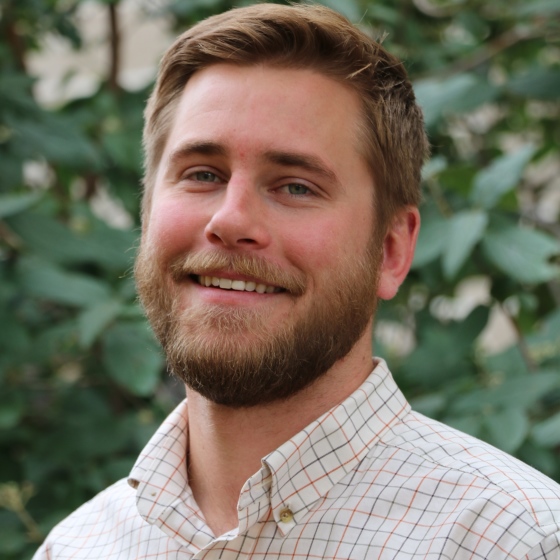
226,445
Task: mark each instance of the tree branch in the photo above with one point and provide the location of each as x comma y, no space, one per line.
17,47
114,45
501,43
90,180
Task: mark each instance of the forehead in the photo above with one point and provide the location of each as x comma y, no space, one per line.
251,106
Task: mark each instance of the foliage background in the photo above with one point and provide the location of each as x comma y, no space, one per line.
82,382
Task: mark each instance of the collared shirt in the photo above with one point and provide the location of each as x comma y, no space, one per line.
368,479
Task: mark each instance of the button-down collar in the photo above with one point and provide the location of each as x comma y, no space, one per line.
293,477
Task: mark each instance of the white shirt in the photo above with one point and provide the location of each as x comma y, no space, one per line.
368,479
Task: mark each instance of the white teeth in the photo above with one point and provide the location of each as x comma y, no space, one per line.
238,285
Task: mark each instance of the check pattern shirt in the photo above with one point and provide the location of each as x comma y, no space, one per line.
369,479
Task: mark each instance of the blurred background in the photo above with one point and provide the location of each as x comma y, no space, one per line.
473,337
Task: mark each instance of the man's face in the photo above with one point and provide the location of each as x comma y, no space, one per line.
258,269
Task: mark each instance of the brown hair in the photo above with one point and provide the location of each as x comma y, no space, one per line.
310,37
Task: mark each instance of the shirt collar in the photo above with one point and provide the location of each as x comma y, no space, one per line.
296,475
305,468
160,472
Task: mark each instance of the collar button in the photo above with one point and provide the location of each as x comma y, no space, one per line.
286,515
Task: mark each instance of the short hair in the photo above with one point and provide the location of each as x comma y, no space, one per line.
311,37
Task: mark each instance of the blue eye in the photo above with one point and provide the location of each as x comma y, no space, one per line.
205,177
296,188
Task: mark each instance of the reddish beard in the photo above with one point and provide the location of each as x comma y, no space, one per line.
234,357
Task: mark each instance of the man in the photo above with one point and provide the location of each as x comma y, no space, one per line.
283,156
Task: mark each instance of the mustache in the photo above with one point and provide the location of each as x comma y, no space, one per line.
211,263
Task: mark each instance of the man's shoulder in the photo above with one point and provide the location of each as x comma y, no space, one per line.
111,509
111,502
476,467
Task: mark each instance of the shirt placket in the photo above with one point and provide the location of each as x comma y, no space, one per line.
253,511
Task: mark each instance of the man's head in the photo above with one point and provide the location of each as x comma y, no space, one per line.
312,37
262,176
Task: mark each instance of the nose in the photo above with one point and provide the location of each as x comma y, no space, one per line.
239,218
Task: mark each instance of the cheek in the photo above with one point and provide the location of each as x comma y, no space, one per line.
323,245
171,230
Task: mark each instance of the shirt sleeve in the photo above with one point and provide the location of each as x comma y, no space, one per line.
547,549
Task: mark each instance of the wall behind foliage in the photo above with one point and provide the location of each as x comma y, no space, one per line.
82,382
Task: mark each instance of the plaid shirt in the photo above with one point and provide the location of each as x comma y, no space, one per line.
368,479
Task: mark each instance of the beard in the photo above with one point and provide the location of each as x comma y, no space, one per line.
235,356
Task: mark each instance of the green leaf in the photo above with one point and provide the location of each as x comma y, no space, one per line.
44,280
465,231
508,363
48,237
55,138
551,323
517,392
538,83
12,408
10,170
470,328
12,541
538,457
11,204
14,341
434,96
522,253
380,13
460,93
474,23
15,93
471,425
501,176
348,8
132,311
538,7
458,177
435,360
545,344
443,350
125,150
55,241
430,404
547,432
95,319
507,428
119,468
54,341
433,167
431,241
132,357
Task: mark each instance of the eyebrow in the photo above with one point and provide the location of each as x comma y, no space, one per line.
308,162
206,148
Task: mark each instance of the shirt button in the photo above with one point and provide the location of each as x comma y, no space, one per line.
286,515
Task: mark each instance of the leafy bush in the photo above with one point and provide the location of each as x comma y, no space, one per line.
82,380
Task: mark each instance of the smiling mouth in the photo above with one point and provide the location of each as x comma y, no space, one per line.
237,285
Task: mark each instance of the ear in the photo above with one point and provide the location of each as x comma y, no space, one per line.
398,251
